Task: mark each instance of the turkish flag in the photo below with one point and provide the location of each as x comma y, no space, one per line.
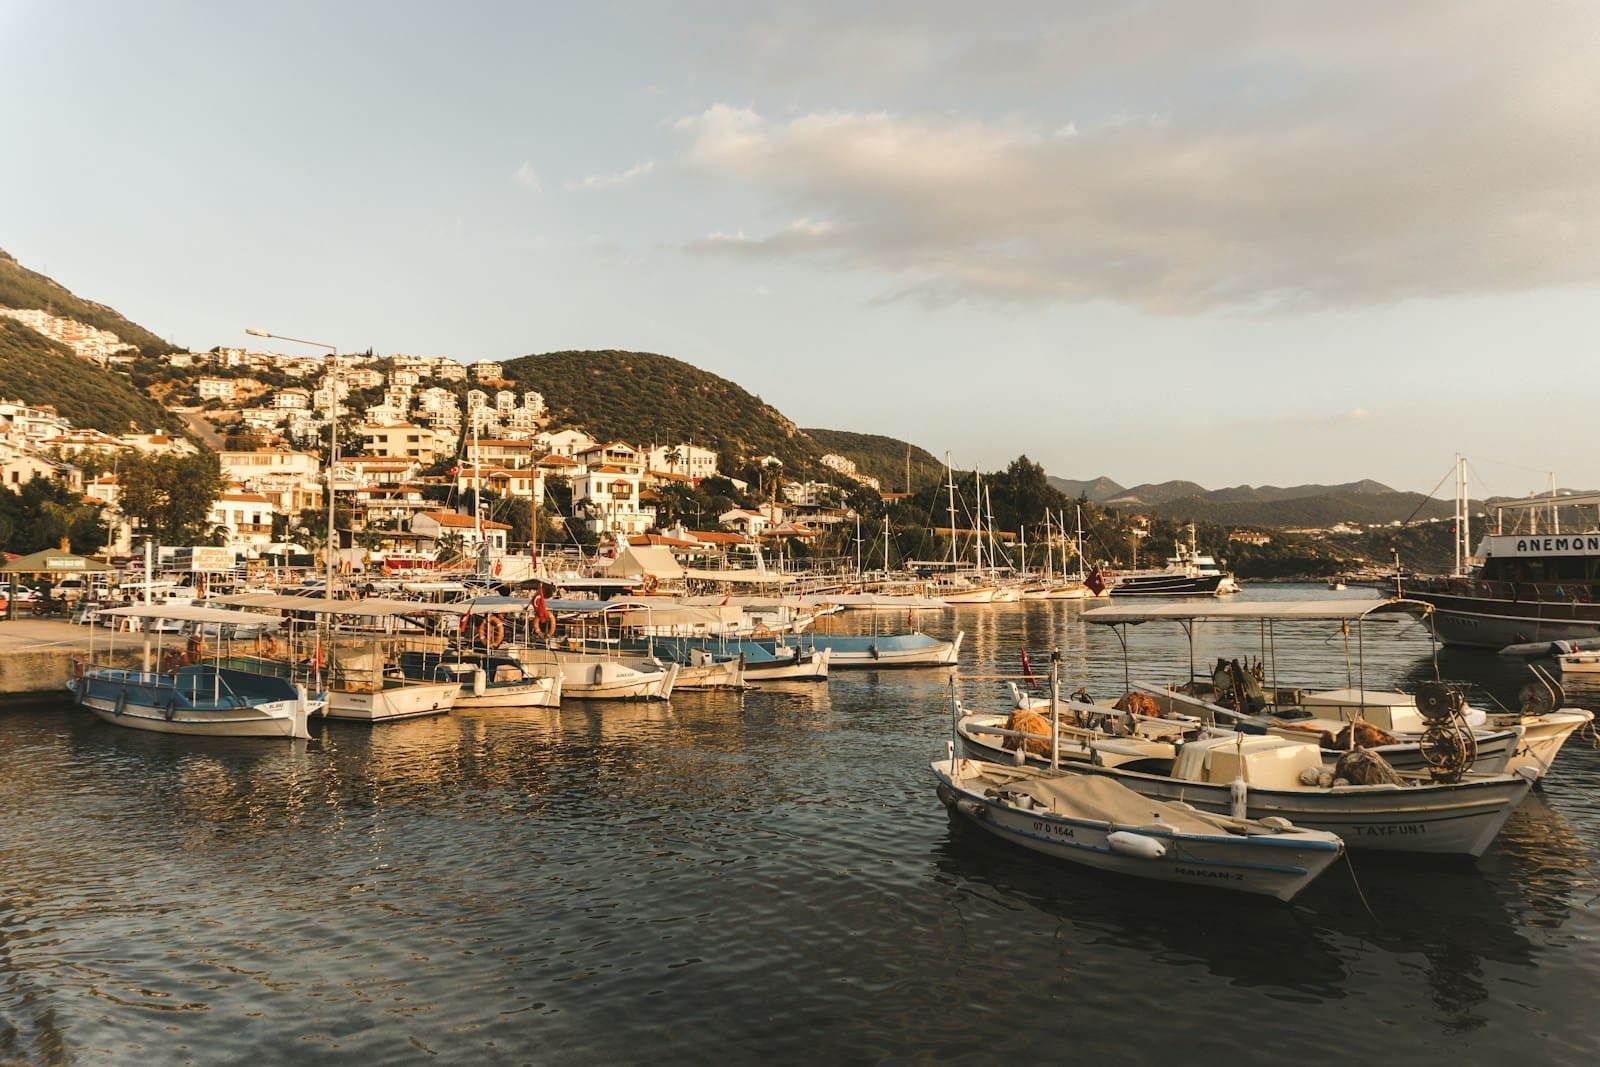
1096,582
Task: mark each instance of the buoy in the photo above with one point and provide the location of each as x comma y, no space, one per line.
1127,843
1239,793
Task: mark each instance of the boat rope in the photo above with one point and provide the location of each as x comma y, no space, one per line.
1351,867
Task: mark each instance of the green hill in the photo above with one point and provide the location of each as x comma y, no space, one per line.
645,399
40,371
884,458
23,288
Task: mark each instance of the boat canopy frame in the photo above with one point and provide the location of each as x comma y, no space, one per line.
1267,613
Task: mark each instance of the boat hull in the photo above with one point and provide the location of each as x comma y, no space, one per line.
888,651
1168,585
391,702
1470,621
162,703
1274,865
1460,818
805,665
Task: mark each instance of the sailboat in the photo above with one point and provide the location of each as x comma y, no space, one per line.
954,587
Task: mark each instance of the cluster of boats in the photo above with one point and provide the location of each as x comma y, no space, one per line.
261,664
1233,780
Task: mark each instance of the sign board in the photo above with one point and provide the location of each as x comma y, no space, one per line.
64,563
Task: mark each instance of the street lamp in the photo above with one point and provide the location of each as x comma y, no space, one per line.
332,380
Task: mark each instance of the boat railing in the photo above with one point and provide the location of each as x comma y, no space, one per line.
1574,591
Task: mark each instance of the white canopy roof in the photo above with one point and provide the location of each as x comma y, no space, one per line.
188,613
1248,610
370,608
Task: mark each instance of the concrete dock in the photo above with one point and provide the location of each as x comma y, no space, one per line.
36,654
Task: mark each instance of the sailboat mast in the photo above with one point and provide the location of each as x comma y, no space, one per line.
950,474
977,519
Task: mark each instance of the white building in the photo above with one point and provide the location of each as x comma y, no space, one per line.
247,517
692,460
434,526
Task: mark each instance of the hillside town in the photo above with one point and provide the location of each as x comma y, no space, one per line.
430,411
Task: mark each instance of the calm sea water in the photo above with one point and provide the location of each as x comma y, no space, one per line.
725,879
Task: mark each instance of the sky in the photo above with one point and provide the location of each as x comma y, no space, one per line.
1236,243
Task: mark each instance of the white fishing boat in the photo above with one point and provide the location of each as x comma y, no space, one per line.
485,680
882,651
1096,822
1541,724
189,692
706,672
788,663
352,647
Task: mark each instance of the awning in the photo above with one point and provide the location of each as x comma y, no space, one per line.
53,561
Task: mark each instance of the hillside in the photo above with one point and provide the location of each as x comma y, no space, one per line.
644,398
40,371
884,458
23,288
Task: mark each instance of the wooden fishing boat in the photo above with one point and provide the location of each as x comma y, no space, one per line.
1096,822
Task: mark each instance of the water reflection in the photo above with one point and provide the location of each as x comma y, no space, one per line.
583,882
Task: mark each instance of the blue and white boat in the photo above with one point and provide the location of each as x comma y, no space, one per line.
879,651
186,694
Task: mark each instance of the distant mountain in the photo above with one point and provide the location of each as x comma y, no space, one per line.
1153,495
23,288
1246,493
1100,489
1365,501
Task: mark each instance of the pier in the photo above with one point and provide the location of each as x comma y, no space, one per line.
36,654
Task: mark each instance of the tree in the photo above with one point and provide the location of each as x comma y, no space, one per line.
170,497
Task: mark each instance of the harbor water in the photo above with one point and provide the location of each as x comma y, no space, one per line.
765,877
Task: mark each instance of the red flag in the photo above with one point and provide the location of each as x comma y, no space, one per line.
1027,669
540,612
1096,582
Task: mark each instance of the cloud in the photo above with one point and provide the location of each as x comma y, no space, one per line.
1263,158
527,177
613,181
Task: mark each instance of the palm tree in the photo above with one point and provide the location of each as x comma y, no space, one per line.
673,456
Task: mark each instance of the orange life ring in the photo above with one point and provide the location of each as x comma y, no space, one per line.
492,631
319,658
651,583
545,625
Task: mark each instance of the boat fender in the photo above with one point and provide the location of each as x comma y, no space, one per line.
971,808
77,668
121,704
872,650
1239,796
480,680
171,708
1127,843
1276,822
